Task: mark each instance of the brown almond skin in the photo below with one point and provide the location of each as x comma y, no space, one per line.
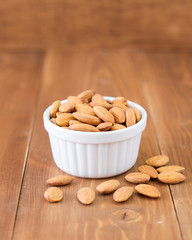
71,122
53,194
74,100
83,127
117,126
137,114
157,161
87,118
102,104
104,126
120,100
86,95
149,170
54,108
85,109
173,168
122,194
120,105
108,186
118,114
60,180
171,177
86,195
104,114
137,177
63,119
148,190
53,120
66,107
130,117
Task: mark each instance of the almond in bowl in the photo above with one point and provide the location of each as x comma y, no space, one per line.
94,136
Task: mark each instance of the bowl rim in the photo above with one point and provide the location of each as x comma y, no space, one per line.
96,137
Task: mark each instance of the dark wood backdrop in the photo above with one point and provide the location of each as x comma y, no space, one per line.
33,24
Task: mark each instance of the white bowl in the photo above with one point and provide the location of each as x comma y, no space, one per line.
95,154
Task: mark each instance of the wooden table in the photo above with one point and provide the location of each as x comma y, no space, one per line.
29,82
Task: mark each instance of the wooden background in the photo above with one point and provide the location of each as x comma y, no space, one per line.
69,24
52,49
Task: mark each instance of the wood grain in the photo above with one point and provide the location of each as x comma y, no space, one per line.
19,83
96,24
139,218
167,83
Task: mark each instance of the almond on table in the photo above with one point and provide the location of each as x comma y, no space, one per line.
173,168
137,177
148,190
53,194
108,186
149,170
158,161
60,180
86,195
122,194
171,177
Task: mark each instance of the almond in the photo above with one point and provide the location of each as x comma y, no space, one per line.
66,107
118,114
63,119
104,114
98,100
137,114
137,177
53,194
108,186
86,95
104,126
86,195
120,100
87,118
54,108
83,127
58,113
71,122
85,109
148,190
74,100
122,194
117,126
130,117
149,170
171,177
53,120
120,105
60,180
173,168
158,161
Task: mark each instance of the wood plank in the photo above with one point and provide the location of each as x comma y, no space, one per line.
139,218
96,24
19,83
167,83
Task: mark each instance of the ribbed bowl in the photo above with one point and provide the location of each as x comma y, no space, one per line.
95,154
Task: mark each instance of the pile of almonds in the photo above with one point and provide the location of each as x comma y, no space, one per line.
90,112
154,169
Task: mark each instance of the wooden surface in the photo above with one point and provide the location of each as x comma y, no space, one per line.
30,82
33,24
